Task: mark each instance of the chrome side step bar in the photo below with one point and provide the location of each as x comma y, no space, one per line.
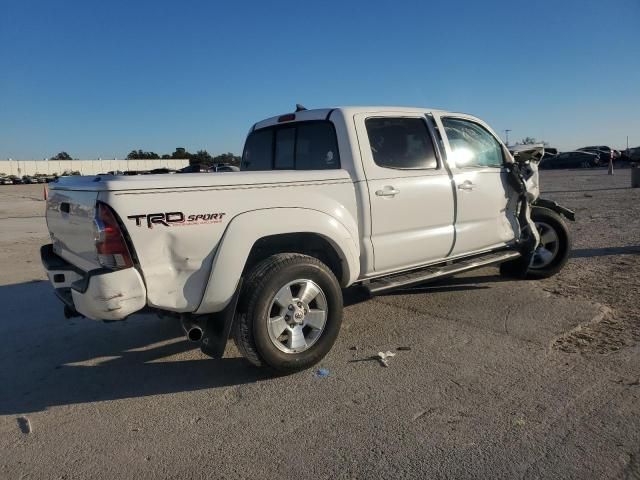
416,277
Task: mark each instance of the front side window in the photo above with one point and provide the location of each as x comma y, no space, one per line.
471,144
401,143
298,146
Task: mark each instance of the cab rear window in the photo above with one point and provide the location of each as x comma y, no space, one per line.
298,146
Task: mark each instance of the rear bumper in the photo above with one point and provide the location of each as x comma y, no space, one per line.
98,294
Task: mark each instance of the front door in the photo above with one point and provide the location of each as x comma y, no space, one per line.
485,214
410,191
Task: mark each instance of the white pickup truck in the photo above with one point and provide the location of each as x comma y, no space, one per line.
375,196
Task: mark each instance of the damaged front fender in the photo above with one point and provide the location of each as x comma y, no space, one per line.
559,209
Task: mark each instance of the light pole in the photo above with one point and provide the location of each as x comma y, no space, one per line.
506,134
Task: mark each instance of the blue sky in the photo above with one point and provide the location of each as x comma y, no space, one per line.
100,78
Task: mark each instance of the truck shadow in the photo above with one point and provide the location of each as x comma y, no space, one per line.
471,281
587,190
48,361
605,251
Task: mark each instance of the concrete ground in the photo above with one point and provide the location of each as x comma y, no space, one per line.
501,379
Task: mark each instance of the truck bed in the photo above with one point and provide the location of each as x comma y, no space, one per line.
174,223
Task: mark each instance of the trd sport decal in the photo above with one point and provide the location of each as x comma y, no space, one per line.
175,219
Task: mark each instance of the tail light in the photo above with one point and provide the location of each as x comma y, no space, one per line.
110,243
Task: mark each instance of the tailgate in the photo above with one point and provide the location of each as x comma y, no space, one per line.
70,219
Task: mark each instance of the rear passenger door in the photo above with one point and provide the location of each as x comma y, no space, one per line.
410,191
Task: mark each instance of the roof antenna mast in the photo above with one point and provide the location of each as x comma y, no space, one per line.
299,107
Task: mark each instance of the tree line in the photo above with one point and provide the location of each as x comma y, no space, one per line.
200,157
531,141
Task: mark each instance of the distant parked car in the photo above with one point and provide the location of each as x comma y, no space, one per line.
6,181
630,155
577,159
226,168
549,152
194,168
157,171
602,151
16,180
28,179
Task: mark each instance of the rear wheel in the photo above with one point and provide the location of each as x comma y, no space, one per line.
290,312
551,254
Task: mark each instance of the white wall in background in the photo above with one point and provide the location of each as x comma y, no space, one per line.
85,167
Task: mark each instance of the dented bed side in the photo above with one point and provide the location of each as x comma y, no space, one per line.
176,232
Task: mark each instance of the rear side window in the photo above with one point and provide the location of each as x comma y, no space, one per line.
402,143
316,147
300,146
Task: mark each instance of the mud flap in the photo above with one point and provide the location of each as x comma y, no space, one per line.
217,327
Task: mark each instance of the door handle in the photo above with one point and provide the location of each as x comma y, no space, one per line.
387,191
466,185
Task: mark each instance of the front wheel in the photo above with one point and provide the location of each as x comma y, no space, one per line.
290,313
551,254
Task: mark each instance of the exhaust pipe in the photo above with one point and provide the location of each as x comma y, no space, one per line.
192,329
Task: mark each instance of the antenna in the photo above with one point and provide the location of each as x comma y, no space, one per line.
299,107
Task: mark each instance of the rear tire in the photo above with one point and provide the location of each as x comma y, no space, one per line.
290,313
551,255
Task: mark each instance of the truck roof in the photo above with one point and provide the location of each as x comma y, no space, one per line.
348,111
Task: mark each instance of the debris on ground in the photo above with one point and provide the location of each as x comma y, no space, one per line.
322,373
384,356
420,414
24,424
629,383
403,349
